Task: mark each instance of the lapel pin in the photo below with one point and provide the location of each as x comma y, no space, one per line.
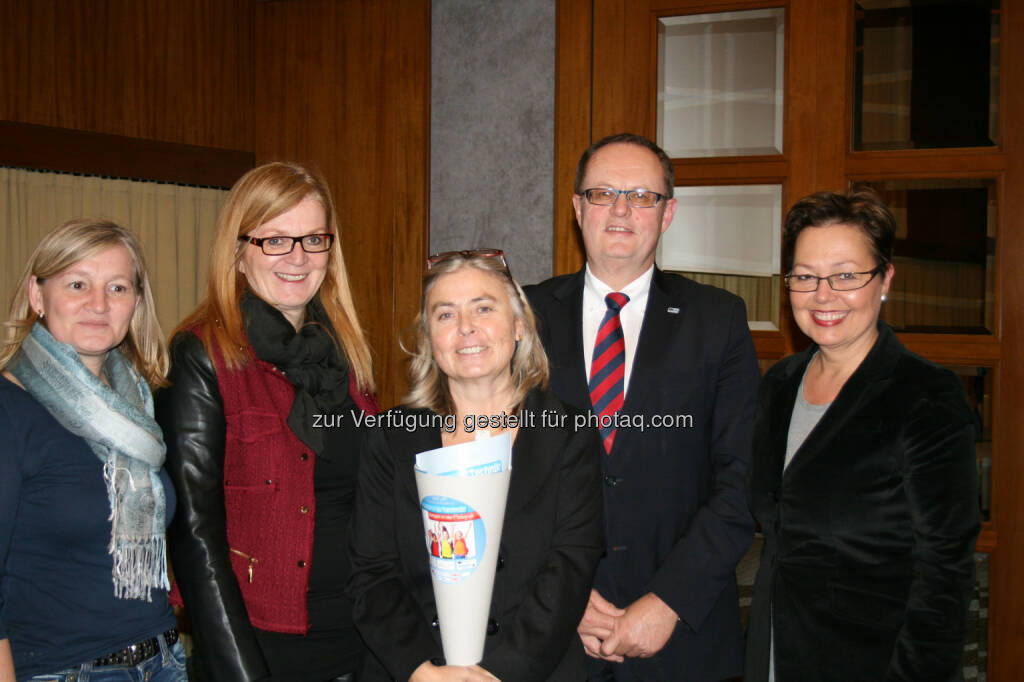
674,311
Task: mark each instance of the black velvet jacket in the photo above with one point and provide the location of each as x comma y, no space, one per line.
868,568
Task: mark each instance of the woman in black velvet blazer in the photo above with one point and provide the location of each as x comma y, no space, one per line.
863,475
478,353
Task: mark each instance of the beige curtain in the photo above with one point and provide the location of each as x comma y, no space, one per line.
944,294
173,223
887,58
761,294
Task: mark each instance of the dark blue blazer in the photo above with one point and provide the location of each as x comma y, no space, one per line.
676,515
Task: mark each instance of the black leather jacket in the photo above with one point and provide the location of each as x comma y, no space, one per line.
191,413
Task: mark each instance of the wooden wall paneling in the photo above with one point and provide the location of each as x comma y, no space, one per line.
156,69
313,71
409,123
800,141
833,78
331,98
1007,590
27,145
800,137
621,68
728,170
573,92
986,543
954,349
26,70
770,344
199,55
926,163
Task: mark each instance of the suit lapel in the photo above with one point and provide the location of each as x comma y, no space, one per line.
533,454
567,343
659,324
780,413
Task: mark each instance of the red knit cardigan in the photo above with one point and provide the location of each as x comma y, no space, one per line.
268,493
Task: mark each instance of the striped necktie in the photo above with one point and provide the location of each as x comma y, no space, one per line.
608,368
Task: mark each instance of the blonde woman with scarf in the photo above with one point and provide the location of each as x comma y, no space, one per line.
84,500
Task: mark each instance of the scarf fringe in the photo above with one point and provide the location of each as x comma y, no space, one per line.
140,560
139,566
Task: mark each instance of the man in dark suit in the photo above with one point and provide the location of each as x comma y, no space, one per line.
664,606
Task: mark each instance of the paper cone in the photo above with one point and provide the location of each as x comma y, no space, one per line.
465,514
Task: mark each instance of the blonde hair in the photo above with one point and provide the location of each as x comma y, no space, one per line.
61,248
429,385
260,195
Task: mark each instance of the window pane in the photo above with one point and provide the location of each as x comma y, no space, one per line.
926,74
720,83
760,294
729,236
944,255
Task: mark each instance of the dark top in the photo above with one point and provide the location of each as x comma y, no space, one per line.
57,603
550,544
332,644
868,569
309,360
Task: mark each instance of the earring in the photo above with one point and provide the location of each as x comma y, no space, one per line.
41,314
884,298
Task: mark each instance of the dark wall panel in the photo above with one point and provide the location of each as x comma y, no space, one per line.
352,83
169,70
341,83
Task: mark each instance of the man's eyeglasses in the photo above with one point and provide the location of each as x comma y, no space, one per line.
637,198
281,245
840,281
467,253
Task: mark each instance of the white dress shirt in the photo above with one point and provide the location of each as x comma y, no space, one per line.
631,317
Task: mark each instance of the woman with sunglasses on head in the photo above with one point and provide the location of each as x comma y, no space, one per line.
259,545
84,499
863,475
477,355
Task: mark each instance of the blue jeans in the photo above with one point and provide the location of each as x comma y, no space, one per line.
166,666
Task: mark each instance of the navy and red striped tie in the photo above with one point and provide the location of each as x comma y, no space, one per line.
608,368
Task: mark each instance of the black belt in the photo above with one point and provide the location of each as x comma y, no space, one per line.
137,653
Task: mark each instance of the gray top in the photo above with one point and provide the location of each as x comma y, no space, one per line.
805,417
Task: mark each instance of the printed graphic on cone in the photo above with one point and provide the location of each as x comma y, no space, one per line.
462,491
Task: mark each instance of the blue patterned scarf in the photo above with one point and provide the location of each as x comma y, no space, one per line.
117,423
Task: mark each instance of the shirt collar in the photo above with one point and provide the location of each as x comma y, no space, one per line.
639,286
